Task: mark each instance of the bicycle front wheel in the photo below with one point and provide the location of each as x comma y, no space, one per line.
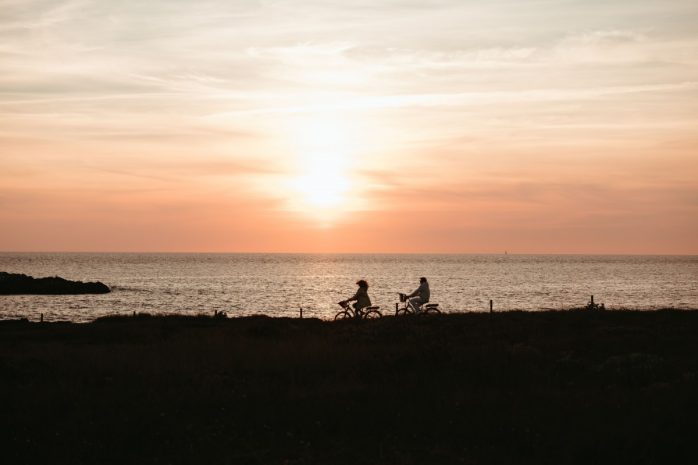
343,315
402,312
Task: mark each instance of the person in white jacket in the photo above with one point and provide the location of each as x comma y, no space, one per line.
420,296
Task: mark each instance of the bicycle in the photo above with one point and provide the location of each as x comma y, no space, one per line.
424,309
366,313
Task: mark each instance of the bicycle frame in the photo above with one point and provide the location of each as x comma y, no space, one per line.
364,313
408,309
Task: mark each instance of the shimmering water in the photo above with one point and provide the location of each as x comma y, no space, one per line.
278,284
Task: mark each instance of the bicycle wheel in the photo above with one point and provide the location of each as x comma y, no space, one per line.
371,315
431,311
402,312
343,315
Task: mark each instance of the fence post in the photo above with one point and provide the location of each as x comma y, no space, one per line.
42,318
301,311
491,305
592,301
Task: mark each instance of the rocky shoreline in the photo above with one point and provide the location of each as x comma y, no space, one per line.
14,283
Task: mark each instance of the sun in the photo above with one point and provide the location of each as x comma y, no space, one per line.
323,184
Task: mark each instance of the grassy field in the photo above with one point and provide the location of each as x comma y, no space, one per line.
528,388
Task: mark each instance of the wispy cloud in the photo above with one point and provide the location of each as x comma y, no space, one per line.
473,98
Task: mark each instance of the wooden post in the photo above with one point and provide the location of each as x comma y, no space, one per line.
396,307
301,311
592,301
134,313
42,318
491,319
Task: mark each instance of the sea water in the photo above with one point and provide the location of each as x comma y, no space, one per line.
280,284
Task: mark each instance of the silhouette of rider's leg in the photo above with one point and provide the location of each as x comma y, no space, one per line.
415,303
357,310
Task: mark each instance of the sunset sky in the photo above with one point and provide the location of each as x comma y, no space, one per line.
349,126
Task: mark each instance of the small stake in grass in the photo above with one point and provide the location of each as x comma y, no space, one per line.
42,318
301,311
491,305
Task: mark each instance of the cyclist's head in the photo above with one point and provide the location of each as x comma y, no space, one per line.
422,279
362,283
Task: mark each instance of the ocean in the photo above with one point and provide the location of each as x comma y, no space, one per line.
279,284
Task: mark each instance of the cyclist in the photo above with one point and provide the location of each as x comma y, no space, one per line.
361,298
420,296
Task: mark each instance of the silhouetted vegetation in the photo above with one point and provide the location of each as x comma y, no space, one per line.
13,283
526,388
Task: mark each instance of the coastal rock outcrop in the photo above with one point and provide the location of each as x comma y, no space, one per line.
13,283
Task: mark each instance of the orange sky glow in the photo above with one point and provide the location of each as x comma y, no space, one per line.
328,126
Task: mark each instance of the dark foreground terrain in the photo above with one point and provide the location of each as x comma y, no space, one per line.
525,388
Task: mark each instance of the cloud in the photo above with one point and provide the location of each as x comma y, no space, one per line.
474,98
38,14
605,38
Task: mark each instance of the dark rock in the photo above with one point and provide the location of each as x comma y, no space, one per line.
11,283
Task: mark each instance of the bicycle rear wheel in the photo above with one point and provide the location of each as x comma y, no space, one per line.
431,311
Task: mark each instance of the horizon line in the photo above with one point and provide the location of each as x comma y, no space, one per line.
339,253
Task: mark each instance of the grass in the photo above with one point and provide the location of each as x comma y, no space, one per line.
539,388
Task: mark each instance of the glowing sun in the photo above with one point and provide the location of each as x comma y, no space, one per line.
323,183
